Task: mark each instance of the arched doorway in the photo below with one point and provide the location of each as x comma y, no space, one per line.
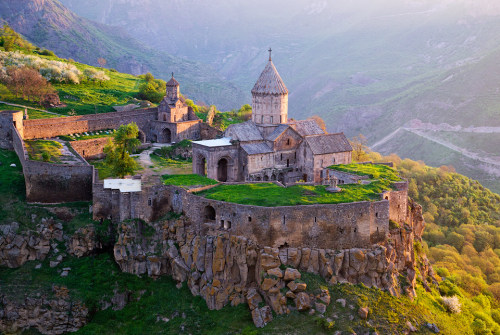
167,135
266,178
222,170
209,213
202,166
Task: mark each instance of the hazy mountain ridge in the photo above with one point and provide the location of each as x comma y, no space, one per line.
365,67
49,24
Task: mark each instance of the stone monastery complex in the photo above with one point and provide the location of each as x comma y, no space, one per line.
269,147
232,252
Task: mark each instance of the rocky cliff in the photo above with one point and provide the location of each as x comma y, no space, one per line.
227,269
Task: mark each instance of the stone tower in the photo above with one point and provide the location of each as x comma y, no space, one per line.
269,97
173,91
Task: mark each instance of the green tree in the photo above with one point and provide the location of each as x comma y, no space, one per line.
118,151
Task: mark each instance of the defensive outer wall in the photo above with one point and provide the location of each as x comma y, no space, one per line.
52,183
335,226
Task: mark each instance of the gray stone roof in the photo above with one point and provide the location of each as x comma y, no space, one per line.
328,143
172,82
244,132
270,82
306,127
277,132
256,148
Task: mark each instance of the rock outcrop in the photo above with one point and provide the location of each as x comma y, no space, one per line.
83,242
227,269
16,248
49,316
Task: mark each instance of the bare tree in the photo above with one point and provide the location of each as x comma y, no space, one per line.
28,83
359,148
102,61
211,115
320,122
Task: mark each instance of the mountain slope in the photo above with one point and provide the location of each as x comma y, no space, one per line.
365,67
48,24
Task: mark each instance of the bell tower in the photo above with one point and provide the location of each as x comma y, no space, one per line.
173,91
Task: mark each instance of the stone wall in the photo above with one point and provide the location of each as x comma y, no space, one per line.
229,269
53,183
42,128
166,132
335,226
8,120
92,148
208,133
398,200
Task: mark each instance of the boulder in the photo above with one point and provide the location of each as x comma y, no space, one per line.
363,312
302,301
320,307
267,283
297,287
291,274
275,272
262,316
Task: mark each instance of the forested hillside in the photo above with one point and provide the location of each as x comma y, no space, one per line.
50,25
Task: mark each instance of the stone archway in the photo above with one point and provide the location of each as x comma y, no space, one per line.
222,170
167,135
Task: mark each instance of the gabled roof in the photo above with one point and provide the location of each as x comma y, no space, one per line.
244,132
172,82
256,148
306,127
270,81
277,132
328,143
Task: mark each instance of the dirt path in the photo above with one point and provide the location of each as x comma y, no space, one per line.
22,106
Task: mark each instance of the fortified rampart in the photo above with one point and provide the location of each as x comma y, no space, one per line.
42,128
335,226
51,183
92,148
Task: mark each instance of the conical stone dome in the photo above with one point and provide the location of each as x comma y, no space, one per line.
270,82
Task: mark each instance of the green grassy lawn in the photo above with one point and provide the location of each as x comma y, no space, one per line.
87,97
271,195
44,150
187,180
171,166
90,97
82,137
381,172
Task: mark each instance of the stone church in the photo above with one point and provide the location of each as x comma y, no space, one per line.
270,147
175,120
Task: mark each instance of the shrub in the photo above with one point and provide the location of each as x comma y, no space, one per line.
452,304
46,52
46,156
325,324
95,75
51,70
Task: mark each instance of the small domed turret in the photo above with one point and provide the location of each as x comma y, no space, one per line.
270,97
